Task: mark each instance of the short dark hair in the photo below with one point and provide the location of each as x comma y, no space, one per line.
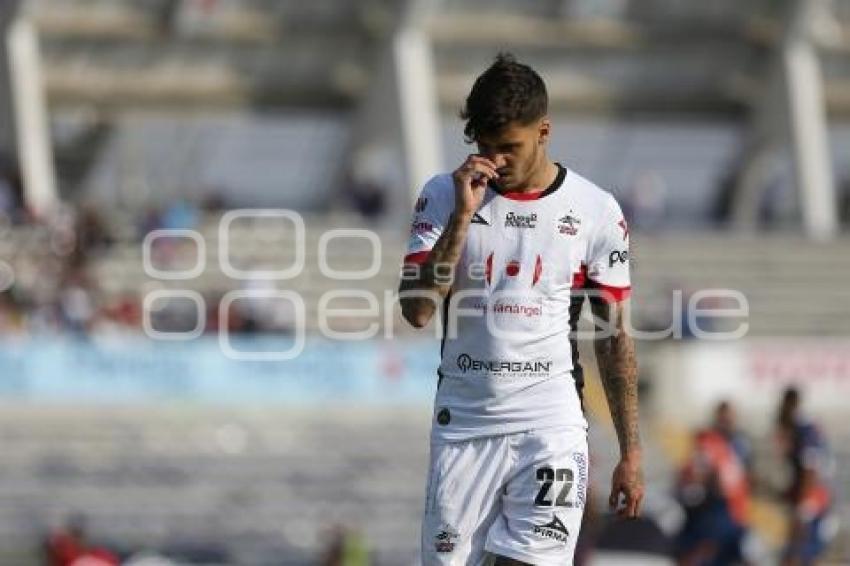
506,92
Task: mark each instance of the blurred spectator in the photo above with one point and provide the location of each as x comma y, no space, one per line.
844,202
808,496
725,423
214,201
180,215
713,487
7,197
721,210
347,548
11,187
369,199
69,546
91,231
12,320
260,312
76,306
367,183
151,220
119,315
769,204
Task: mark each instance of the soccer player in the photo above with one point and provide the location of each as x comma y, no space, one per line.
506,245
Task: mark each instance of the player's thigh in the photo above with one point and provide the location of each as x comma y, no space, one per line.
463,499
544,500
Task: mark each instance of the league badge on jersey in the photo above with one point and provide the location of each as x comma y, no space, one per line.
568,224
445,539
420,227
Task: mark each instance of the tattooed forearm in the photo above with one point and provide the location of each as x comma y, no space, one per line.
433,279
615,355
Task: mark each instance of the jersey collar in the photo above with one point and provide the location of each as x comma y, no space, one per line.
556,184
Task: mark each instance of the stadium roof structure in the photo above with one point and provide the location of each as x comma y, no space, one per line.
779,66
166,54
654,55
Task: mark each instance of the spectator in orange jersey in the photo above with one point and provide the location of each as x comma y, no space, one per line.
713,487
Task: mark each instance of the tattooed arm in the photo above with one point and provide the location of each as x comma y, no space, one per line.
422,286
615,355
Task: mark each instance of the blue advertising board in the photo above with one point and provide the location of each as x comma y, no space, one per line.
143,370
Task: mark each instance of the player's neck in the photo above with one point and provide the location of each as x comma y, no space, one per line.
541,179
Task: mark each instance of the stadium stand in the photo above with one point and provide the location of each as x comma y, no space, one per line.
781,276
260,487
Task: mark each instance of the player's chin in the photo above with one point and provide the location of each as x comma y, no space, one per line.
504,183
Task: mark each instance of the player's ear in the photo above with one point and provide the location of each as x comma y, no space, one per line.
543,130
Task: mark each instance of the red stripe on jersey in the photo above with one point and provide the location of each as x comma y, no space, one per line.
608,293
488,268
538,271
579,277
417,257
523,196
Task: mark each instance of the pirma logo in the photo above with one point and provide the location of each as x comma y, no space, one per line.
554,530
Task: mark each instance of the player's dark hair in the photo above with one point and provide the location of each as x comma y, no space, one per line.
506,92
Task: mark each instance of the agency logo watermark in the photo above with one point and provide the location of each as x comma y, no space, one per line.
371,312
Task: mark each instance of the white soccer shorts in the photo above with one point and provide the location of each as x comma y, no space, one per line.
519,495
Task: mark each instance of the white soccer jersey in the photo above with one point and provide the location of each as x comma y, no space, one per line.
508,363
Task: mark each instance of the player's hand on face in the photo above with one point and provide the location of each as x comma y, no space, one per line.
627,481
470,181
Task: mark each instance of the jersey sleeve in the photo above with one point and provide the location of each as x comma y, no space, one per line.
430,216
608,256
